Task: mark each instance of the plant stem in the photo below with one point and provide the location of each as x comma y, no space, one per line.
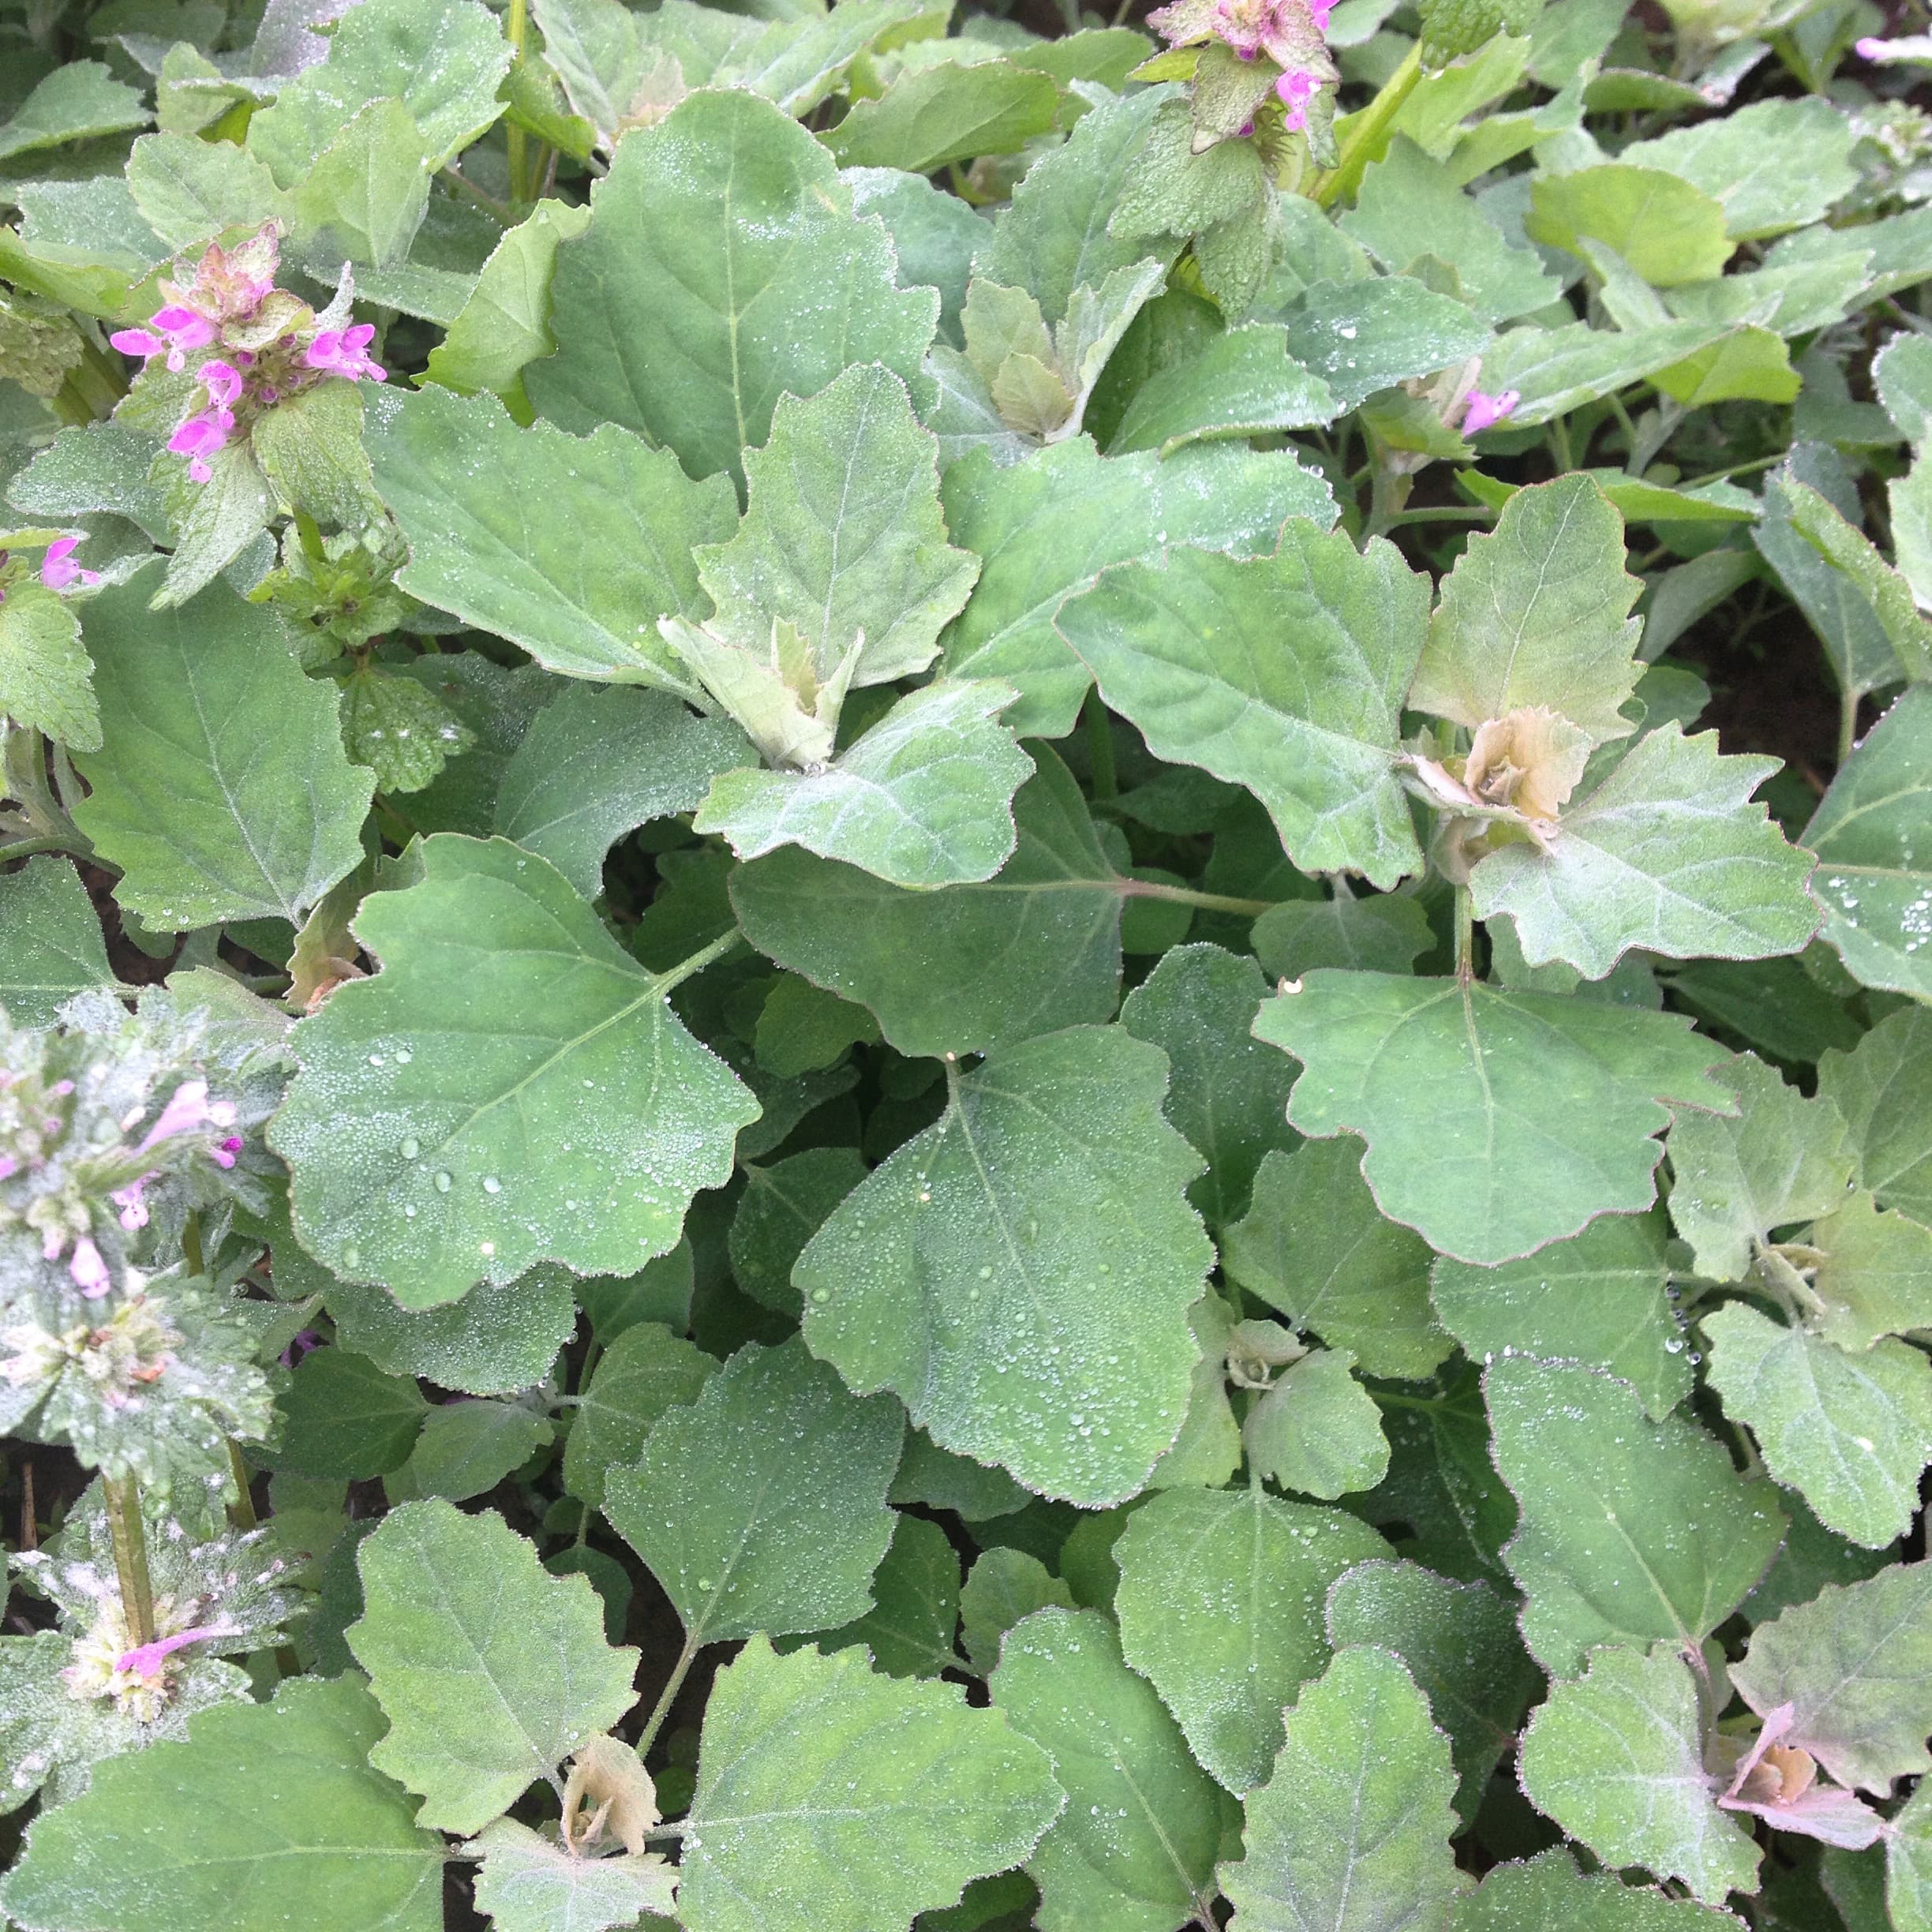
1848,723
242,1509
130,1553
191,1244
1100,747
1437,513
680,1671
517,29
1367,132
1186,895
675,976
1465,936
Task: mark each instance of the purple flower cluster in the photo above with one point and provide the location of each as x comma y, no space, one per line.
1291,33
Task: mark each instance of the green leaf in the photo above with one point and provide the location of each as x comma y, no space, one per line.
1850,551
1227,1093
1908,1867
684,314
342,1417
399,728
101,466
1240,383
490,1671
178,1834
1458,1641
1004,1586
599,762
1598,1299
1866,831
1548,1890
782,1207
216,522
802,1030
1559,369
1616,1759
46,676
467,1448
497,1340
1632,1531
1666,230
940,1480
1045,528
1856,1662
1782,1159
1208,1449
646,1372
80,101
1851,1433
191,191
443,59
1220,1605
50,944
1884,1090
365,194
1359,337
965,967
529,1883
221,790
908,1632
1568,1092
1317,1431
481,1145
1667,853
1283,673
571,547
1749,364
1774,165
1873,1275
1537,613
1019,1273
927,119
1134,1848
1314,1247
831,1800
761,1505
1352,1831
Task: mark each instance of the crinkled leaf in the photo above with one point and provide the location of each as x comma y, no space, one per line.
644,1373
364,195
1317,1431
1884,1090
1549,1890
465,1449
436,1144
399,728
501,1338
1873,1275
342,1417
1019,1273
528,1882
46,676
783,1206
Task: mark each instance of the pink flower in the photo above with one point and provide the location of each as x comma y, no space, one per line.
223,382
1485,412
339,351
133,1208
89,1270
57,573
147,1660
224,1155
188,1109
200,437
180,330
1870,48
1295,89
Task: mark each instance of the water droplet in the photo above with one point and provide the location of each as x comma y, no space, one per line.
443,1182
411,1147
491,1185
352,1258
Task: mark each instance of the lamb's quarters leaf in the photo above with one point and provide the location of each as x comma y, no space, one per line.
1548,1890
1910,497
761,1505
1616,1759
498,1340
1020,1274
782,1207
50,944
842,537
1383,933
1135,1847
1883,1088
490,1671
78,102
1359,337
1283,673
343,1417
924,798
1317,1431
1598,1298
1775,1005
908,1632
1045,528
190,190
1408,207
934,233
557,1110
222,789
832,1800
1632,1531
1851,1433
1794,300
1220,1605
1003,1587
1314,1246
180,1834
802,1028
932,117
1908,1866
570,547
1458,1641
1749,364
364,195
1542,1107
940,1480
593,49
1868,832
1208,1449
1053,237
1226,1092
528,1882
1240,383
1351,1831
1856,1662
1873,1274
1557,370
1775,165
444,59
684,313
1668,854
599,761
965,967
505,322
1783,1159
1851,552
467,1448
644,1373
1666,230
1537,613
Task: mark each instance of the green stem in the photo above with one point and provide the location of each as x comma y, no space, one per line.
1437,513
1100,747
1465,935
1368,132
685,969
1186,895
242,1509
130,1554
518,29
1848,723
191,1244
488,203
680,1671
